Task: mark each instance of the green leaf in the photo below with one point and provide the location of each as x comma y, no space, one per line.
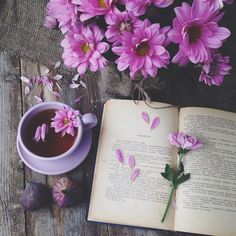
181,169
183,178
169,173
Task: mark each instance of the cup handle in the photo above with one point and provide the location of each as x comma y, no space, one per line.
89,121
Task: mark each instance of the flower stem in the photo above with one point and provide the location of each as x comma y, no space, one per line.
168,203
173,188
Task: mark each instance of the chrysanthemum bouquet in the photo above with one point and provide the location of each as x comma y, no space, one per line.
123,27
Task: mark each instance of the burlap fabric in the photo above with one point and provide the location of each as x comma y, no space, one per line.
22,33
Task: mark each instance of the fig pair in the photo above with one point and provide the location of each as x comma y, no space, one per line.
65,192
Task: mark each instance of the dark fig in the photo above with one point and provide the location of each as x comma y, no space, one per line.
35,196
67,192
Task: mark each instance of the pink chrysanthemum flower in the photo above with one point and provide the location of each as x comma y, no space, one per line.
65,121
218,4
143,51
213,72
184,141
62,11
138,7
196,31
83,48
118,23
94,8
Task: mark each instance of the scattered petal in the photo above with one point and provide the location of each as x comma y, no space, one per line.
131,162
45,71
135,174
38,99
58,86
145,117
37,134
120,156
57,65
76,77
155,122
78,99
27,90
44,131
74,86
83,84
56,94
24,79
57,77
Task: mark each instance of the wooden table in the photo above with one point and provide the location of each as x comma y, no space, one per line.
14,174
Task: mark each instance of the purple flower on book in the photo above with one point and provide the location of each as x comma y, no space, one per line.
197,32
214,71
41,132
184,141
65,121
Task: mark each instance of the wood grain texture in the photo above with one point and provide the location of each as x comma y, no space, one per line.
12,217
56,221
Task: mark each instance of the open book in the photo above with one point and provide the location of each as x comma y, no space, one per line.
205,204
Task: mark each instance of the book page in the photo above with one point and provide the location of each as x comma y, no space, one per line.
207,202
115,198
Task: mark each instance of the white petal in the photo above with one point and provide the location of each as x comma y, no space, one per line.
57,77
75,78
57,65
45,72
24,79
74,85
27,90
83,84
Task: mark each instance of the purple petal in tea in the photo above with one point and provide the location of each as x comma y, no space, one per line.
155,122
37,135
135,174
145,117
120,156
41,132
131,162
44,131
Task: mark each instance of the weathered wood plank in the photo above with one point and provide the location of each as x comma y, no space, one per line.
71,221
40,221
12,217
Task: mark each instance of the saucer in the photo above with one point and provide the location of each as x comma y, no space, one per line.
59,166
